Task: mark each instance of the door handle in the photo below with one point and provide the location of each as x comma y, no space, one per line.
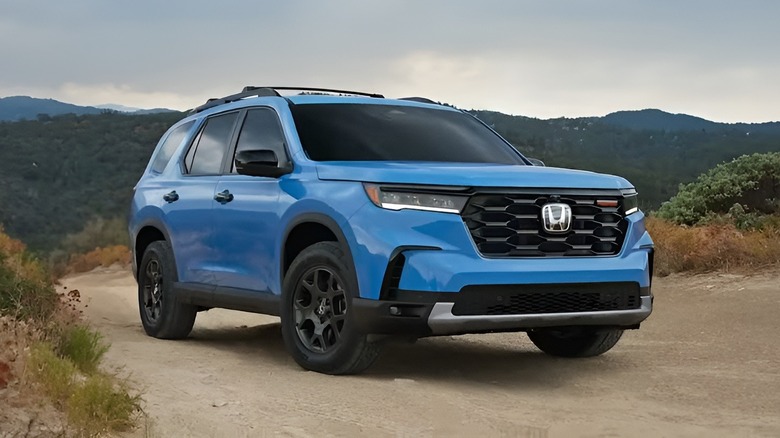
171,197
223,197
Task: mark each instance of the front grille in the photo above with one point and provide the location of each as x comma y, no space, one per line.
542,298
509,225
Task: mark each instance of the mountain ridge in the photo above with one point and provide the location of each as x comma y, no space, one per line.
16,108
656,119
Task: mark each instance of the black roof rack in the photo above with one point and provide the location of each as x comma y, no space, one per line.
420,99
251,91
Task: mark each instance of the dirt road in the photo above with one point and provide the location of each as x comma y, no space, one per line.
706,363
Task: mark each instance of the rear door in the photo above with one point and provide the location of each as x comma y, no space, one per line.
247,226
190,201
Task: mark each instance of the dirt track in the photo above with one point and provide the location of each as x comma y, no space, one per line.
706,363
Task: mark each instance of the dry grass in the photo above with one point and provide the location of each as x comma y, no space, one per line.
102,404
95,402
25,287
49,358
117,254
711,247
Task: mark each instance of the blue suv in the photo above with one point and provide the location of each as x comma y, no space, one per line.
356,219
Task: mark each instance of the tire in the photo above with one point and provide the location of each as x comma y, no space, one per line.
161,314
317,326
575,341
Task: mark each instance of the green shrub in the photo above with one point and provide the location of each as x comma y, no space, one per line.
745,190
56,375
84,347
99,405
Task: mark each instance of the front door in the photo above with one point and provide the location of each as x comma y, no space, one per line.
246,220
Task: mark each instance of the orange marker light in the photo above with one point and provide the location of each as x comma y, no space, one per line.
605,203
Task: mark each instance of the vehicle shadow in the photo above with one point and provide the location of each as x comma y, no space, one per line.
493,359
509,363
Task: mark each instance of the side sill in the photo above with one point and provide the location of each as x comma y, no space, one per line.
245,300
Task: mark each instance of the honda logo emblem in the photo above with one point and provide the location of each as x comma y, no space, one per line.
556,218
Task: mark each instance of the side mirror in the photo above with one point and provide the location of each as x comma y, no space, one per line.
260,162
536,161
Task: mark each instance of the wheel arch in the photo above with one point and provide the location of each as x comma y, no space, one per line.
306,230
148,233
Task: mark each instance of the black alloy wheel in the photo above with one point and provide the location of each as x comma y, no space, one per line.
318,325
152,291
320,309
162,314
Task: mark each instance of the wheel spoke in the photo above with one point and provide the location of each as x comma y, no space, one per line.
153,270
316,340
333,325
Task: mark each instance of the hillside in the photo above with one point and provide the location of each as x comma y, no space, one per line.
657,120
17,108
656,161
28,108
57,174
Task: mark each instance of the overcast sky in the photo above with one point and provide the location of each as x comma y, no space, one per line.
541,58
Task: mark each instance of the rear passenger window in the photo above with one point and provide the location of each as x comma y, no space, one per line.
169,147
208,149
261,130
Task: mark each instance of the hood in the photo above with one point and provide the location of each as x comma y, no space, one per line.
467,174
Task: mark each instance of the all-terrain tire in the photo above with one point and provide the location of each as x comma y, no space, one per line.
317,325
575,341
161,314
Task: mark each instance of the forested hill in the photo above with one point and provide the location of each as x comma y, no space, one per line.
56,175
657,120
59,173
655,160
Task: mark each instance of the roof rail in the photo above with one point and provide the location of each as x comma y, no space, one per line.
420,99
322,90
247,92
251,91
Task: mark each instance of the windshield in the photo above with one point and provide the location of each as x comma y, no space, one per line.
360,132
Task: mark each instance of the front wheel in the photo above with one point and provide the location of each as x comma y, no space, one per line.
317,324
575,341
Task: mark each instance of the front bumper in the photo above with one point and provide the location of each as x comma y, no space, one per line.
428,316
442,321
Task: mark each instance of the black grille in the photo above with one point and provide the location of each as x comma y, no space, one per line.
509,225
557,298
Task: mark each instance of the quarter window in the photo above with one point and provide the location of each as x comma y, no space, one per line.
208,149
169,147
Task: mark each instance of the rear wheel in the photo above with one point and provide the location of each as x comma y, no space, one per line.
161,314
575,341
317,324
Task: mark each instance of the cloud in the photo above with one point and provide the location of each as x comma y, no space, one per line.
529,57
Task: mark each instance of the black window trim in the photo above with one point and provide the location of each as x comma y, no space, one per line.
231,143
227,164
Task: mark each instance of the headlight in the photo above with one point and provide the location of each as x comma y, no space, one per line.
630,201
393,198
